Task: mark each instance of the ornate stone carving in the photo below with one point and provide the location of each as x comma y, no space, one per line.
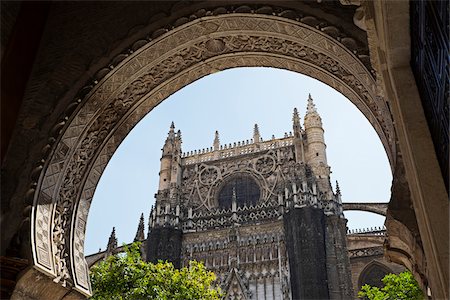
372,251
242,258
144,79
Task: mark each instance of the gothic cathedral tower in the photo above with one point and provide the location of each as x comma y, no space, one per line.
261,214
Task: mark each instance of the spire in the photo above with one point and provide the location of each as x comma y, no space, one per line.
216,143
312,117
112,242
256,135
296,124
140,230
171,135
173,141
311,107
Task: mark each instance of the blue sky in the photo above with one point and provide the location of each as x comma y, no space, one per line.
231,102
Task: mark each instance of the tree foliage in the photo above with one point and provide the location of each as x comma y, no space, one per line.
396,287
127,276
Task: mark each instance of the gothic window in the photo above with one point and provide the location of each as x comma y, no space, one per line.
372,275
246,188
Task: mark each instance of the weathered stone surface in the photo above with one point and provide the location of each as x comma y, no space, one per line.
164,244
305,243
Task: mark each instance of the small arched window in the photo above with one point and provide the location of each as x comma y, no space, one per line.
247,191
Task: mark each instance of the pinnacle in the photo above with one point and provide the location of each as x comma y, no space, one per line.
256,135
112,242
256,129
140,230
311,107
216,143
171,135
295,117
338,189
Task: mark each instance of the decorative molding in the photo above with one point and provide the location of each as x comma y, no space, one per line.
371,251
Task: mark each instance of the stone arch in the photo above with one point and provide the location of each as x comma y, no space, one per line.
372,274
376,208
107,111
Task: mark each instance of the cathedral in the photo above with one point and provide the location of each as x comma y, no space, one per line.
262,215
265,207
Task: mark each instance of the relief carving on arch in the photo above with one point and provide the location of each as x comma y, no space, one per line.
143,80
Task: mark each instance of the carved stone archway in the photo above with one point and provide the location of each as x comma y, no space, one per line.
103,117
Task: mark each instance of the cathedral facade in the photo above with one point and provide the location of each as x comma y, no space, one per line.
262,215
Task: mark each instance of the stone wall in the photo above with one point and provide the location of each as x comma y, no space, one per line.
164,243
305,241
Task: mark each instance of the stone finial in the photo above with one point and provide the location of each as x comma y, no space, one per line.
256,135
112,242
312,117
140,235
216,143
311,107
171,131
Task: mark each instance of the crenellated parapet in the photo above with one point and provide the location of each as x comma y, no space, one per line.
235,149
377,230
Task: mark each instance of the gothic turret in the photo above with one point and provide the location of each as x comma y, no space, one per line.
316,155
164,220
170,171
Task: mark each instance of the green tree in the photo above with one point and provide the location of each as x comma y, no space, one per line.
127,276
396,287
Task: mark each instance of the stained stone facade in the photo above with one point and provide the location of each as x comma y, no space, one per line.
261,214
